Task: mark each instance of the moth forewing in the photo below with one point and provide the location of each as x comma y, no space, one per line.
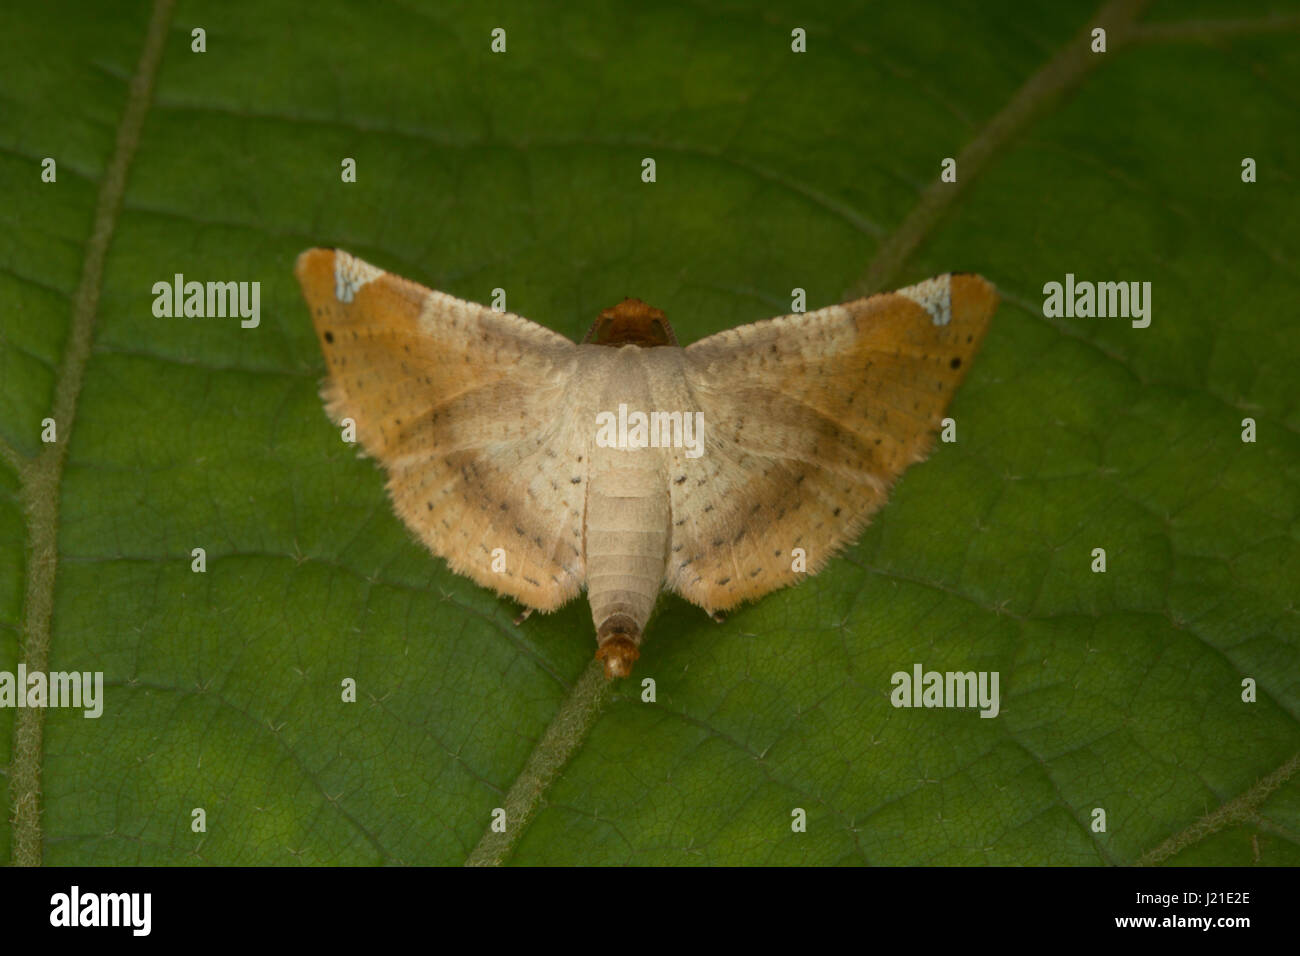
468,412
816,414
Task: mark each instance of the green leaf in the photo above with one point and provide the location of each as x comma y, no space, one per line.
1120,691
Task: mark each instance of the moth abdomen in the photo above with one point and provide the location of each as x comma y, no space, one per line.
618,637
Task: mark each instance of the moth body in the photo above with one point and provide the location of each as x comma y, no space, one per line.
627,511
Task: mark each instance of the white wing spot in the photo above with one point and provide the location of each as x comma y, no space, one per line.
350,274
933,295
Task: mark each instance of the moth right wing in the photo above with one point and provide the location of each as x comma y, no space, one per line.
809,419
469,412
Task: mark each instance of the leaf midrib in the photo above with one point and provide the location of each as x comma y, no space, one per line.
41,477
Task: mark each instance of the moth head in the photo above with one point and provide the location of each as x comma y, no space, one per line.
631,322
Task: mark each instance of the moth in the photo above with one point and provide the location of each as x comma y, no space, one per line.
537,466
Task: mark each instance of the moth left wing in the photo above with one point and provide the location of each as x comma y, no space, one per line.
468,411
808,420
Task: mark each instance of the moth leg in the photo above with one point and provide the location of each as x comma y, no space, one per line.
718,617
524,615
